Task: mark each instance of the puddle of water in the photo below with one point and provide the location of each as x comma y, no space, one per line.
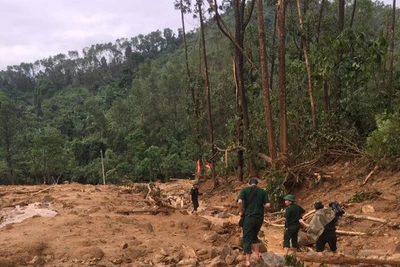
20,213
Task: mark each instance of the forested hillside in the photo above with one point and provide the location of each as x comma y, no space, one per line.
260,86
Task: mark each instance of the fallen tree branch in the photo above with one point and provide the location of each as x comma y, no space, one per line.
40,191
342,232
365,218
339,232
308,214
346,259
274,224
370,174
146,211
240,148
264,157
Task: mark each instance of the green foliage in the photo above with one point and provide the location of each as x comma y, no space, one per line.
291,260
276,189
90,173
87,150
384,142
50,156
133,100
362,196
4,173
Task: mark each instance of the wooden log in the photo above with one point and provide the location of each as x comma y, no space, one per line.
339,232
365,218
342,232
274,224
308,214
370,174
41,191
128,212
346,259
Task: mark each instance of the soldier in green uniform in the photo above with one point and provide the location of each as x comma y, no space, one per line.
293,214
322,228
253,212
194,195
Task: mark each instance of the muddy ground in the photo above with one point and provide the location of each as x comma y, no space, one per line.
106,225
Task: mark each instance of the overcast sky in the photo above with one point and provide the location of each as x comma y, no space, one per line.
31,30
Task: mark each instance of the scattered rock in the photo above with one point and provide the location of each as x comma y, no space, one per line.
222,215
216,262
188,263
273,260
230,259
367,209
164,252
148,227
37,261
90,253
211,237
47,198
188,252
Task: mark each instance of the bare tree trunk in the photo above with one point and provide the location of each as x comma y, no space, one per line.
353,13
195,99
327,106
207,92
341,15
264,81
185,45
321,10
240,27
282,79
243,128
308,66
9,161
273,54
390,82
384,70
337,90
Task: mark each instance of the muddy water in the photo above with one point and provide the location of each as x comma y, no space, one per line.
19,213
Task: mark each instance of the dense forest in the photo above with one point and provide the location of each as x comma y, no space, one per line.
261,86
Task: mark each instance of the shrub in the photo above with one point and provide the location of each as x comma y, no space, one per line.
384,142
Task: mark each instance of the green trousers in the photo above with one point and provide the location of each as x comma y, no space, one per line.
251,227
291,234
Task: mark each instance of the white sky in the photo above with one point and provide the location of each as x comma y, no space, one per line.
31,30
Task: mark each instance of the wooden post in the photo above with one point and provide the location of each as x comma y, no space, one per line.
102,167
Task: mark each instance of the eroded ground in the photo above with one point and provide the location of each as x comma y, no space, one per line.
125,226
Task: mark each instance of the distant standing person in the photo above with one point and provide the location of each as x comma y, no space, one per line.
293,214
194,195
252,201
322,228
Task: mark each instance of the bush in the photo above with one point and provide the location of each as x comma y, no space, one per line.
384,142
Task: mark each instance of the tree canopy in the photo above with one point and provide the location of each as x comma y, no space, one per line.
142,102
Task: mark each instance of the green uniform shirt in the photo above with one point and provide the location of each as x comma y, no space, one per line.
293,214
256,206
194,192
332,225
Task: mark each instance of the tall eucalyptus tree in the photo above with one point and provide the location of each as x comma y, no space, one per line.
308,65
390,85
199,4
281,8
264,82
244,135
9,126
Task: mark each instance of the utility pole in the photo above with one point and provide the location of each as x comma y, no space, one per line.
102,167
